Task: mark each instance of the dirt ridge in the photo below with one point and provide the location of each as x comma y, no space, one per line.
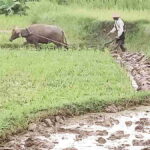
138,66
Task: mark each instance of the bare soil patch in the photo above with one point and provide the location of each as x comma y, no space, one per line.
138,67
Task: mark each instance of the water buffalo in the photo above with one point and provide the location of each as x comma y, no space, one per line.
41,33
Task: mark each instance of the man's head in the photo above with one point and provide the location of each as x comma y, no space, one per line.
115,16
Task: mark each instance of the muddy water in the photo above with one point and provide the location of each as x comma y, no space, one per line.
127,130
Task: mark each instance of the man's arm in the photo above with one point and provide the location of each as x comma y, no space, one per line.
112,31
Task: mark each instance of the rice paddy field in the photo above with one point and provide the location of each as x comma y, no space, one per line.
41,82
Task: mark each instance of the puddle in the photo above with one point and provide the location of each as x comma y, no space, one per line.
126,130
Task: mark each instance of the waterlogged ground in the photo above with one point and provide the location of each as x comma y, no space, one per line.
127,130
138,67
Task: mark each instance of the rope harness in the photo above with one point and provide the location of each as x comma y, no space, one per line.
63,44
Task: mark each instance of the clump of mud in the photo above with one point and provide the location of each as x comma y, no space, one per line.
127,130
138,67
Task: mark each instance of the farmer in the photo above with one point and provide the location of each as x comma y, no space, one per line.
119,26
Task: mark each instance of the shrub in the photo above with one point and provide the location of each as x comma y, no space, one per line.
10,7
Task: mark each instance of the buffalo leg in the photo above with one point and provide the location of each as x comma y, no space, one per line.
66,47
62,45
37,46
25,44
59,46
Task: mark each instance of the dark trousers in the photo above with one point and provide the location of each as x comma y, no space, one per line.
120,42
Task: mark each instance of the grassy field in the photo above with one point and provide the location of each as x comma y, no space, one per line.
35,81
109,4
79,22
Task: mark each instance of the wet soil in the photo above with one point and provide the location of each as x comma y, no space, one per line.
126,130
138,67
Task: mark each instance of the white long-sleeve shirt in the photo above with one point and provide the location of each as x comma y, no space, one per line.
118,26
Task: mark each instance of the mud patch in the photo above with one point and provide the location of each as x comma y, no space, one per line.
114,131
138,67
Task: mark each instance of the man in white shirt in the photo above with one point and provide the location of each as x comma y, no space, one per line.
119,26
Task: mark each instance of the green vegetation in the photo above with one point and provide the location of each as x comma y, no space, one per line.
119,4
10,7
80,24
35,81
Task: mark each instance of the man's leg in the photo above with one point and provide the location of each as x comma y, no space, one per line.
122,41
117,44
122,47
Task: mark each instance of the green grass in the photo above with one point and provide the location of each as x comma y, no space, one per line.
35,81
109,4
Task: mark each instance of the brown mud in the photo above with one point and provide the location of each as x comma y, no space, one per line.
126,130
137,66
